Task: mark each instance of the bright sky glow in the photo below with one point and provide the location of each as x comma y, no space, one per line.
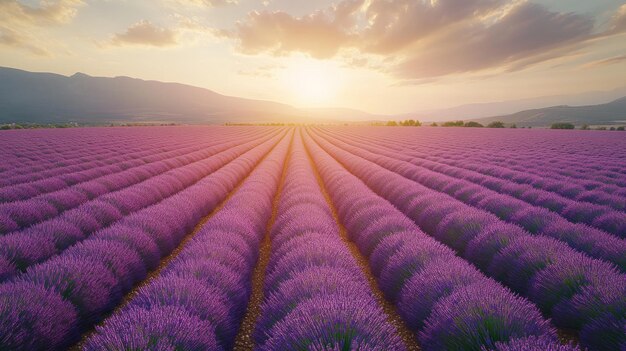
391,56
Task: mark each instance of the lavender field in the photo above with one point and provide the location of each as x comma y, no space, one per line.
312,238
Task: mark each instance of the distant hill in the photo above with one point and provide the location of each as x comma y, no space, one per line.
502,108
604,114
28,97
52,98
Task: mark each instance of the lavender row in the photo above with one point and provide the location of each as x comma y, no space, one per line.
18,215
40,242
545,191
99,152
90,170
316,296
37,151
448,303
34,155
52,303
538,221
584,172
602,217
199,299
578,292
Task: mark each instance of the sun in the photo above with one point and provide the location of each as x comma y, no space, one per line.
312,82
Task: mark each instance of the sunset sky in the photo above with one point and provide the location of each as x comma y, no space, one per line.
381,56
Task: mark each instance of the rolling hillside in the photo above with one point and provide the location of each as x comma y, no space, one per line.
604,114
52,98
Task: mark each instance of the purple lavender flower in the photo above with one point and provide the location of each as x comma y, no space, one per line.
136,239
124,262
160,328
84,220
490,241
27,248
533,343
35,318
7,224
198,299
334,321
7,268
578,289
88,284
613,222
304,286
235,284
534,219
460,227
518,263
480,315
437,280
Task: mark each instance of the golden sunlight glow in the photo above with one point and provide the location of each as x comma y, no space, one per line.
312,82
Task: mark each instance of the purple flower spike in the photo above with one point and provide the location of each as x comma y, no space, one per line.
7,268
7,224
161,328
136,239
124,262
205,302
519,262
458,228
533,343
35,318
480,315
88,284
485,246
313,282
613,222
211,273
437,280
334,321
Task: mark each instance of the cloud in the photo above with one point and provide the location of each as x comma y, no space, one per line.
146,34
618,22
23,26
605,62
280,34
48,12
527,33
426,39
208,3
13,39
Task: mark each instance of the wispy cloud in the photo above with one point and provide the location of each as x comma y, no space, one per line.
428,39
146,34
22,26
605,62
207,3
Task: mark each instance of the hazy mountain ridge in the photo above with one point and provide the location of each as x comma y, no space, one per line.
28,97
610,113
45,97
504,108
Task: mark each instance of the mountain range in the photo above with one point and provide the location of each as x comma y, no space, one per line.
610,113
30,97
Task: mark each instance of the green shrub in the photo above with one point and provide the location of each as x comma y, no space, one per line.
453,124
411,123
473,125
497,124
562,126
